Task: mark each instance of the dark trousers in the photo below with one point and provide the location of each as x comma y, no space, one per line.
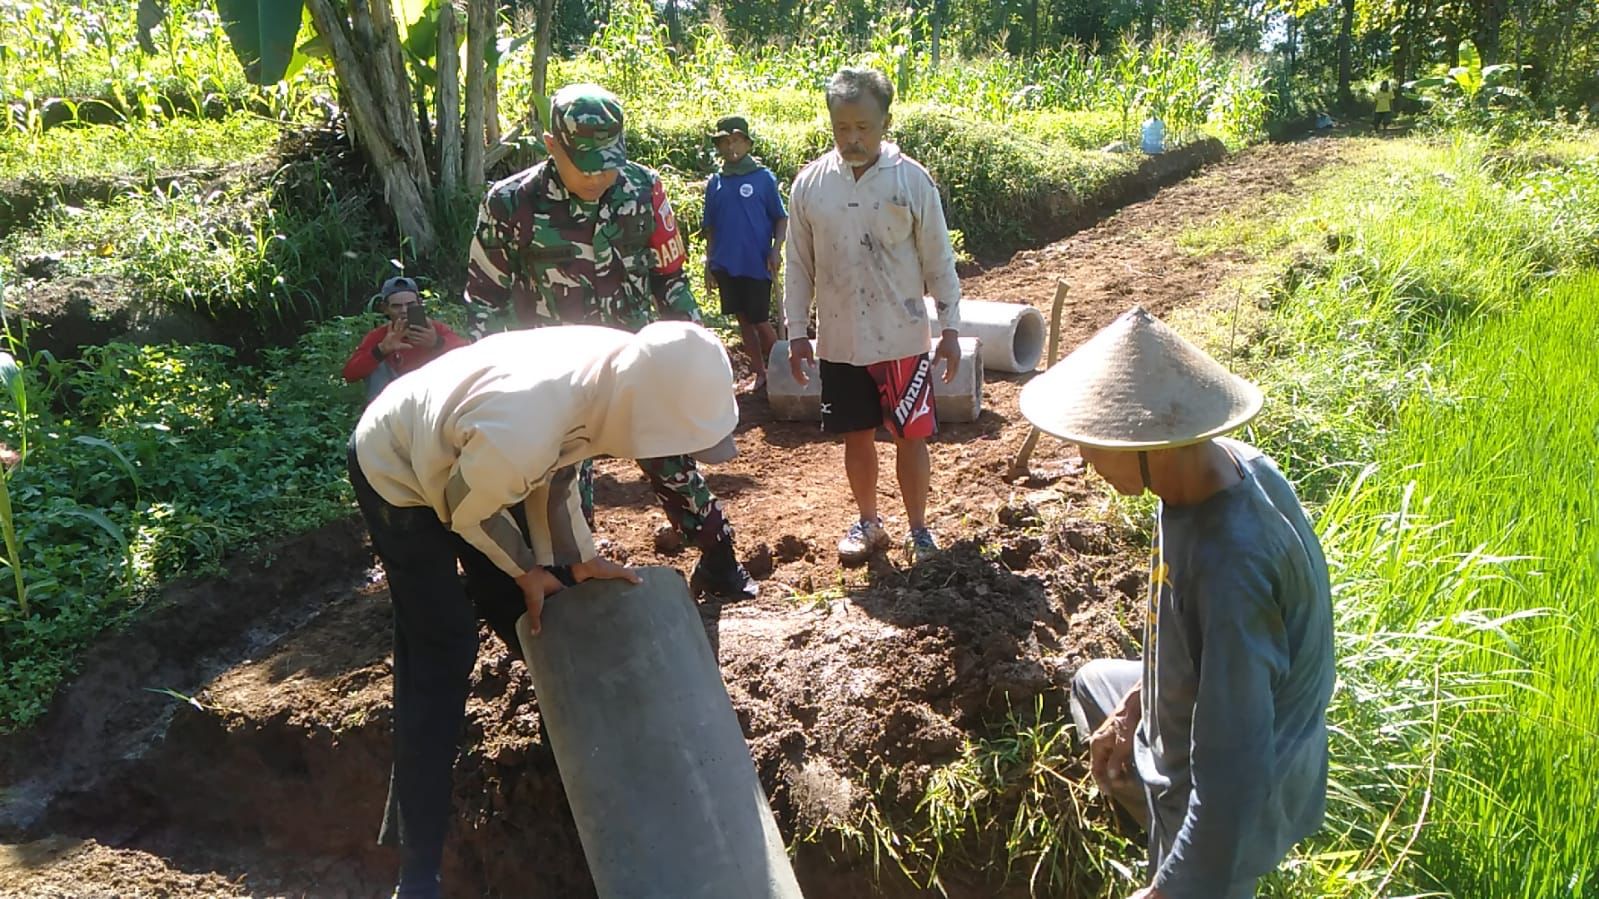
689,504
435,645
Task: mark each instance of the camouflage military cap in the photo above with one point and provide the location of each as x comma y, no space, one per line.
586,120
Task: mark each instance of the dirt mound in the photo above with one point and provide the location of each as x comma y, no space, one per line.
67,868
285,755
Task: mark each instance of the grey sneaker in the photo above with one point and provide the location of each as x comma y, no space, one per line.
861,540
921,545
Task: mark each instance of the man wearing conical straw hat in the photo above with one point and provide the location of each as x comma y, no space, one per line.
1218,739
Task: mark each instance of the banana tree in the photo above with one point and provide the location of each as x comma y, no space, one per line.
1477,84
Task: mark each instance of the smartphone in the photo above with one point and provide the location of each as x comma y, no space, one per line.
416,316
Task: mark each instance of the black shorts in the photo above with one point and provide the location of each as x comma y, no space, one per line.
897,393
748,298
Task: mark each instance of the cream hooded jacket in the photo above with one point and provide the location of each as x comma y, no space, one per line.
503,421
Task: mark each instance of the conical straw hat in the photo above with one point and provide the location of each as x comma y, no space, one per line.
1138,385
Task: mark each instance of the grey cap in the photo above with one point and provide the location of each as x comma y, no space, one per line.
398,284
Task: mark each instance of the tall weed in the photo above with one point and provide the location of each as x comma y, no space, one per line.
1427,334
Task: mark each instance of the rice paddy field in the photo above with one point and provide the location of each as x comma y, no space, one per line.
1428,331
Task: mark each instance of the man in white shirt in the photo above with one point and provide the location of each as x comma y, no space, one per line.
867,241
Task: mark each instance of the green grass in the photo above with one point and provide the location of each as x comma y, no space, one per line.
253,241
1376,268
1510,462
141,150
145,463
1015,807
1426,363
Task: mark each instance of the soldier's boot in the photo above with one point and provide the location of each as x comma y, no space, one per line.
720,575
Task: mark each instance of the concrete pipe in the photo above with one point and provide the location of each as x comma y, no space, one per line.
655,766
1013,334
958,401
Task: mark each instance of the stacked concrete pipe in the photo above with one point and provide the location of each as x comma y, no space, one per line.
961,400
656,770
1012,334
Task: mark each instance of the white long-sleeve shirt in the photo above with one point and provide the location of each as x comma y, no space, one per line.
502,422
865,252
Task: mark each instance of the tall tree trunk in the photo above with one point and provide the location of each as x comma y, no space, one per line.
1567,39
491,105
1490,17
449,100
1293,44
1346,33
674,27
1032,24
1401,45
541,58
366,58
938,30
481,17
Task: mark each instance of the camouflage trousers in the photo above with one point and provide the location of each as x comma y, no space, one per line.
690,505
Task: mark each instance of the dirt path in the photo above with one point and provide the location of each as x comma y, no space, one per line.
788,483
272,782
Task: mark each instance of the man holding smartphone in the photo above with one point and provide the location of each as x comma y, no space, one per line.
407,342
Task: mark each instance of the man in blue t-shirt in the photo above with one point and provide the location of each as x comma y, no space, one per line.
744,227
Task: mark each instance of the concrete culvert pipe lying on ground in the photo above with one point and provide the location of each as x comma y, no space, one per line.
654,763
1013,334
960,400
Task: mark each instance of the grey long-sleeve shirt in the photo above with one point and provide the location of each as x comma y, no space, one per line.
1238,669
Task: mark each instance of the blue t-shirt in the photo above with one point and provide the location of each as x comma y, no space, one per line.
742,212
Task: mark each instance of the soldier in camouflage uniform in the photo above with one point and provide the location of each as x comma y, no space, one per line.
587,237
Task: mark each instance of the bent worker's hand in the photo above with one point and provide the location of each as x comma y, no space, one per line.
536,584
1110,752
800,357
949,350
599,568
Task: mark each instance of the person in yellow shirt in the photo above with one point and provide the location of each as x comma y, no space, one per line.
1383,105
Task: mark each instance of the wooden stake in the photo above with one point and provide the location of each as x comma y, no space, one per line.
1018,465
